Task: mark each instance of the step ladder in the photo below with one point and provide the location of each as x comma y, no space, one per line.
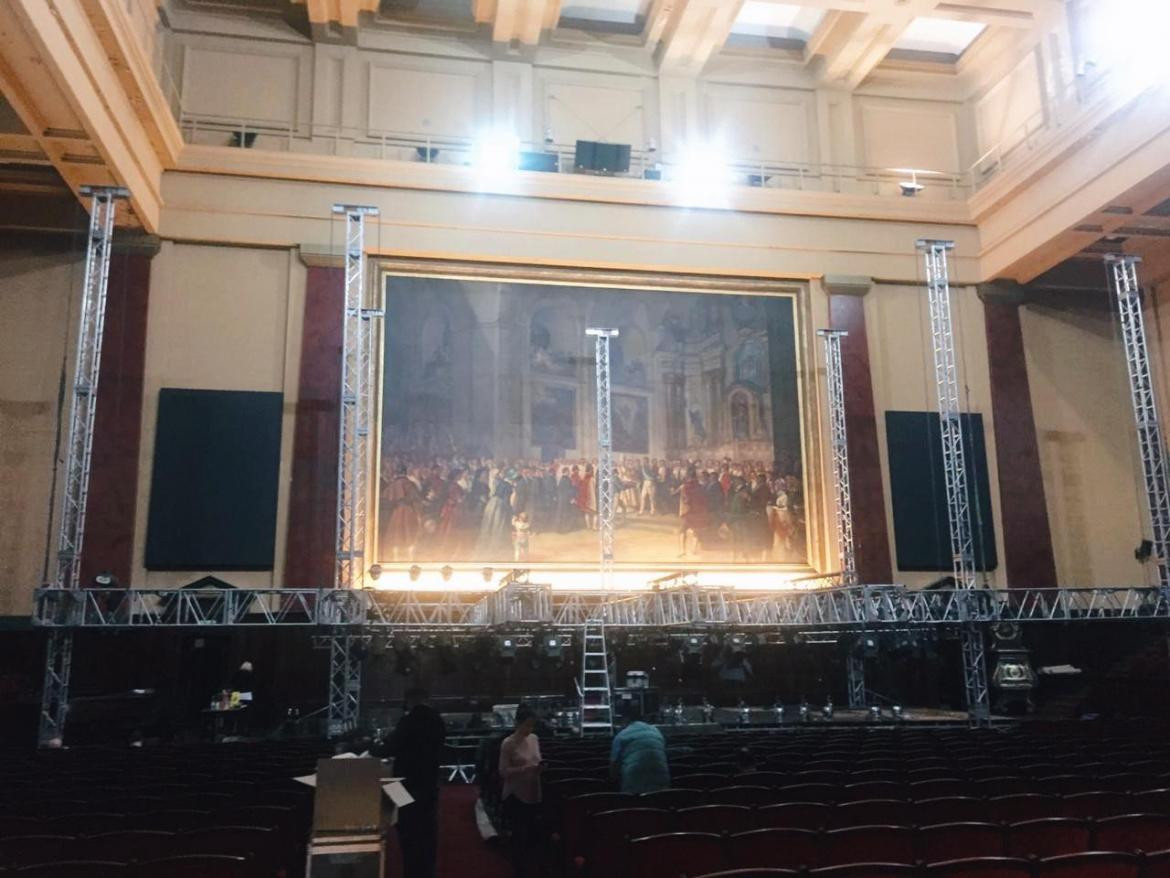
596,707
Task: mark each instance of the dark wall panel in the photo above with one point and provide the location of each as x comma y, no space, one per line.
213,489
922,536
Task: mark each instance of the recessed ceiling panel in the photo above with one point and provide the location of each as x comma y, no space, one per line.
776,21
623,15
939,36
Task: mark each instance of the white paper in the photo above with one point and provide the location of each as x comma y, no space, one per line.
397,793
309,780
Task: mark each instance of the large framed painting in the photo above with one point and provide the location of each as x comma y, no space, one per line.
488,442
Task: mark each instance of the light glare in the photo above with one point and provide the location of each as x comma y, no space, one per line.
1127,39
495,154
701,175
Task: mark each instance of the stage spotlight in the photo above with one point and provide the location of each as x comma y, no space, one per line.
495,154
694,645
804,714
551,645
446,572
105,579
911,187
875,713
415,572
375,572
487,574
778,713
827,710
507,646
896,710
701,175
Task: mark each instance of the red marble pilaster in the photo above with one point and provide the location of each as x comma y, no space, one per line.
312,508
871,537
112,506
1027,539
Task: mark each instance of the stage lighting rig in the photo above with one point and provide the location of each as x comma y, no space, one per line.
507,646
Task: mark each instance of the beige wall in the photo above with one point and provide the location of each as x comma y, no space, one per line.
221,318
38,292
1084,427
902,365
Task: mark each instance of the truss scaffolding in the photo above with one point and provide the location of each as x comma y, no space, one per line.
353,463
605,492
946,373
517,607
1124,281
79,447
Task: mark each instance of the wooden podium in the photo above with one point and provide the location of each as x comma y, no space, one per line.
347,840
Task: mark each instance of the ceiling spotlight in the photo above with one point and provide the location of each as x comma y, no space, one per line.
487,574
415,572
446,572
375,571
652,145
548,137
911,187
495,154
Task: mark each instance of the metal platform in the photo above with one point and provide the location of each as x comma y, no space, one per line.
524,605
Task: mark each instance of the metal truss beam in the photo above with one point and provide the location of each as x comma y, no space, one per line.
946,373
853,609
353,464
79,447
605,491
1124,281
838,441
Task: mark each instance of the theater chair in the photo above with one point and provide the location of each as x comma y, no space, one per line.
1132,832
675,855
958,841
74,869
1090,864
715,818
1047,837
880,844
607,835
872,812
795,815
866,870
750,873
775,848
980,867
196,866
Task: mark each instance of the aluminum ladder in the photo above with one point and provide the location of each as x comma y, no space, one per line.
596,707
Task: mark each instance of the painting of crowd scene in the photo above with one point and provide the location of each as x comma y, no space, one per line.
489,443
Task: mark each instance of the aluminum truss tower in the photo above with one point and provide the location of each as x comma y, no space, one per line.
605,493
955,469
1124,281
353,464
79,449
842,496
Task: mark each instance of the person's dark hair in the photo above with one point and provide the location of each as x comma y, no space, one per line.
524,713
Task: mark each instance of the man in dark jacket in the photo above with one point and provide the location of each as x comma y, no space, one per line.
417,748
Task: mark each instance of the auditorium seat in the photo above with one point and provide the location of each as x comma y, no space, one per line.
866,870
195,866
1156,864
1047,837
675,797
980,867
606,833
750,873
1025,806
26,850
949,809
808,792
882,844
173,820
1094,804
958,841
786,848
795,815
770,779
133,845
700,781
87,823
936,789
675,855
1155,801
73,869
1132,832
715,818
873,811
739,795
1090,864
878,789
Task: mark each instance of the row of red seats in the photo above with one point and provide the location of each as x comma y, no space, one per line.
189,866
811,813
685,854
606,842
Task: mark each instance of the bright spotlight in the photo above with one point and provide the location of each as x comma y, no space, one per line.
700,174
495,154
